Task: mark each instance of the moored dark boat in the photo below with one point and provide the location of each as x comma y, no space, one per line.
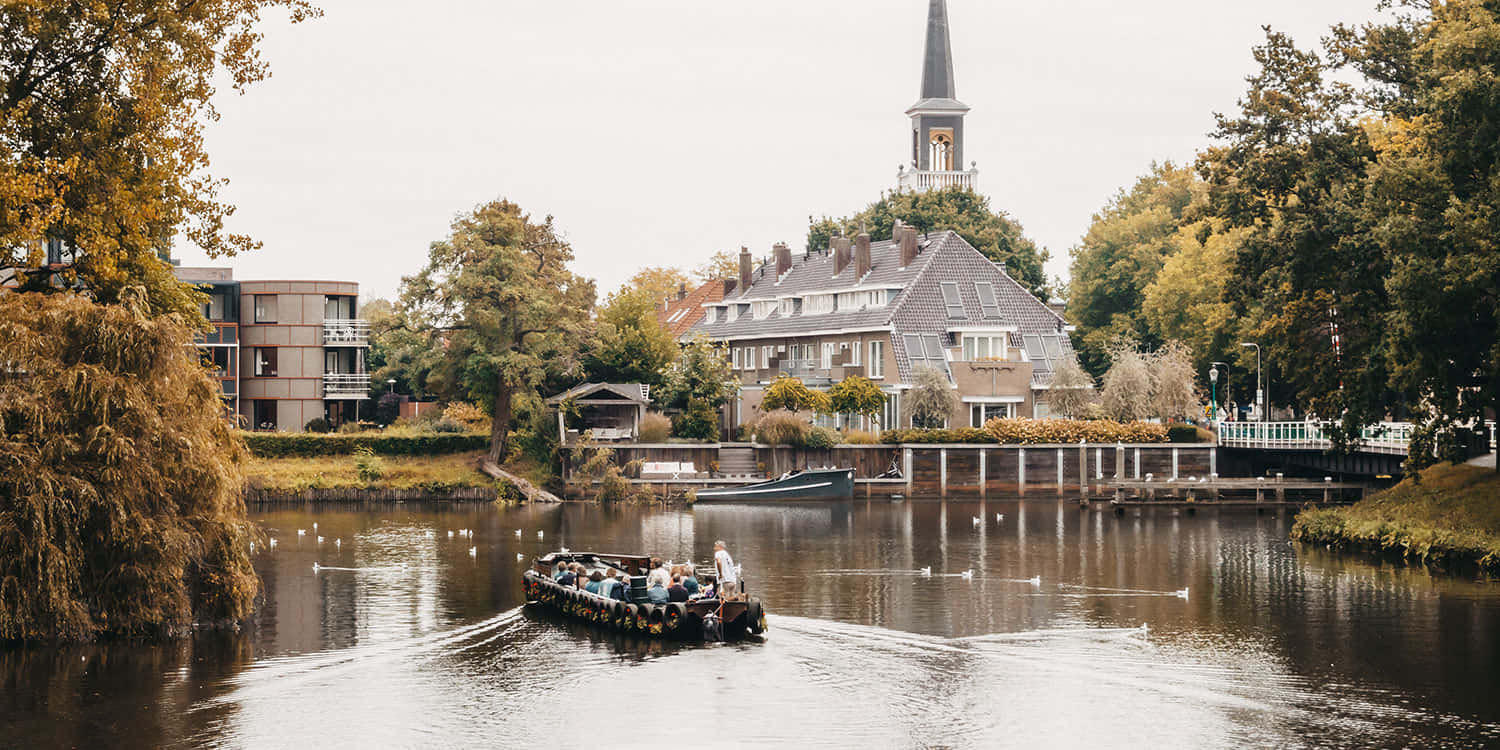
729,617
812,484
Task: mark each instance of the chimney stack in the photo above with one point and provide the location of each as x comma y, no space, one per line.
744,269
908,245
783,258
840,254
861,255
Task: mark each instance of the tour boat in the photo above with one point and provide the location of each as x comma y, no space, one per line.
694,619
810,484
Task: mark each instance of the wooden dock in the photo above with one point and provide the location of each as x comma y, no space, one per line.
1240,491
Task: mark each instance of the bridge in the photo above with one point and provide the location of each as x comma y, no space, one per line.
1379,451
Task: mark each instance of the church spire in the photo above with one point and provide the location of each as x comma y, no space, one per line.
937,119
937,65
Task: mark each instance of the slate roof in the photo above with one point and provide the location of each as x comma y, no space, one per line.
937,62
918,308
691,308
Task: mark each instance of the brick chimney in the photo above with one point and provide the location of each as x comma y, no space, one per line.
783,258
861,255
744,269
908,245
840,254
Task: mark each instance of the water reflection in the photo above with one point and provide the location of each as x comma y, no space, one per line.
402,637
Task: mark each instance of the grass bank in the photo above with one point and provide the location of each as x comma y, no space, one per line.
426,473
1450,518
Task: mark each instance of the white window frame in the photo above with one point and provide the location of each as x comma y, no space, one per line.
854,347
765,355
737,359
827,358
876,370
955,306
749,358
980,408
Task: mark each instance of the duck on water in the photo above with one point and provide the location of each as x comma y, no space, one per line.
712,614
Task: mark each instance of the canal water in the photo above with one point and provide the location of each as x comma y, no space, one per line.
1076,629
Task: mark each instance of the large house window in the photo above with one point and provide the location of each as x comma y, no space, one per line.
980,348
265,308
338,307
981,413
828,349
877,359
854,353
265,361
736,360
749,358
766,355
214,308
263,411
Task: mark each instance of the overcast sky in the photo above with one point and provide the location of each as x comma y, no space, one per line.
659,131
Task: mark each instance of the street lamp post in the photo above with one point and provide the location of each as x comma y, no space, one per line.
1228,394
1213,398
1260,396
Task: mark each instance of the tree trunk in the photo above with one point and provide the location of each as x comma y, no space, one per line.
500,425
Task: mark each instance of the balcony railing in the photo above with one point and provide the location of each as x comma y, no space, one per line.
922,180
346,332
345,385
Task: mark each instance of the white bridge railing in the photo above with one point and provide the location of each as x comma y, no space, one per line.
1385,437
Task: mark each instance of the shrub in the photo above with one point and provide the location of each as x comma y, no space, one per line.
1186,433
860,437
698,421
281,444
744,433
351,428
467,414
368,465
318,425
655,428
446,425
782,428
820,437
787,392
1036,431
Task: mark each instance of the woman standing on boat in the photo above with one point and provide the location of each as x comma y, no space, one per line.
724,569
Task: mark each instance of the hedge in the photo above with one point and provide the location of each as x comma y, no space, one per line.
1186,433
1035,432
284,445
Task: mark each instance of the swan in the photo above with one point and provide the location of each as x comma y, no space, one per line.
518,533
273,543
1035,581
967,574
1148,477
520,556
315,567
565,550
926,572
539,534
320,540
1183,594
338,543
473,551
999,517
252,547
1145,628
450,533
976,520
301,532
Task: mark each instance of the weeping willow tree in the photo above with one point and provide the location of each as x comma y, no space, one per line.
120,505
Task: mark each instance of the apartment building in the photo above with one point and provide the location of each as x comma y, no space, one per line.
883,310
285,352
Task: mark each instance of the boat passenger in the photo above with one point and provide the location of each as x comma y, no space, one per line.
658,575
656,593
565,578
690,580
580,576
596,579
562,568
724,570
675,592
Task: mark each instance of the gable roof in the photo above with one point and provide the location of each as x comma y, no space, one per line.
680,314
624,392
918,308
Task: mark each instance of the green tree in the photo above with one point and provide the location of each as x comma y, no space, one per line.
787,392
856,395
723,264
102,109
1186,301
1122,254
1292,174
656,283
931,399
500,312
629,345
121,510
1435,197
991,232
698,383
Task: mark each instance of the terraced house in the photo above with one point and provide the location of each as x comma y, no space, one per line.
883,310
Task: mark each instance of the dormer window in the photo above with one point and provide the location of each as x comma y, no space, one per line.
952,301
762,309
987,301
